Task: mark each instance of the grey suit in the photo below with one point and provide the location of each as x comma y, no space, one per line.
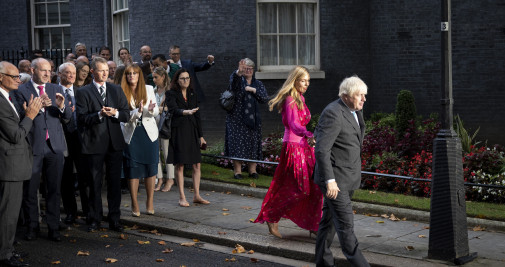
339,138
16,167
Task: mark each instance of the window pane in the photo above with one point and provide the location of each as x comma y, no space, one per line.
43,38
56,38
306,50
126,29
287,50
268,53
40,14
119,4
268,18
52,14
66,33
306,18
64,13
287,18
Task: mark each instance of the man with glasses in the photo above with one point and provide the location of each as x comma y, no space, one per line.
15,160
101,107
192,68
48,144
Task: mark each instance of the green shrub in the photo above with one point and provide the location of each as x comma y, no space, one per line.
467,140
405,111
313,122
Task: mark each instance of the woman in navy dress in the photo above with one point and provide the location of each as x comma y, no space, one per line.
243,123
141,156
186,135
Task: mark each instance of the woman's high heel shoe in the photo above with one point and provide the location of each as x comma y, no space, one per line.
135,214
273,228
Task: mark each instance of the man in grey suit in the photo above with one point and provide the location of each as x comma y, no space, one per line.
339,137
15,159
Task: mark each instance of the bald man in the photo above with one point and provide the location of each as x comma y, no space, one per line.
24,66
15,159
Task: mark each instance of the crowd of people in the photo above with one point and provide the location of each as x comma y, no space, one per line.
89,118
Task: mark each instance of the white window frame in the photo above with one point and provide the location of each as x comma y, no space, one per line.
35,28
281,71
119,16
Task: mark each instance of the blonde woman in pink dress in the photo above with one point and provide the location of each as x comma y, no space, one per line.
292,193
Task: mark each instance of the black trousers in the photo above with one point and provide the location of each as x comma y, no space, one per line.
50,163
113,163
69,178
338,218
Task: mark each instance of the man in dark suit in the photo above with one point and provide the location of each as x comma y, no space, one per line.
192,67
101,106
73,159
15,159
339,137
48,143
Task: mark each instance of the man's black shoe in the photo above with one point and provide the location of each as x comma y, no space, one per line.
238,176
18,255
253,175
54,235
31,234
93,227
70,219
116,226
13,261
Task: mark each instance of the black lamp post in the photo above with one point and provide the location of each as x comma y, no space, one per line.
448,226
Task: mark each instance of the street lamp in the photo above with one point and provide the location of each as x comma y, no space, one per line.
448,226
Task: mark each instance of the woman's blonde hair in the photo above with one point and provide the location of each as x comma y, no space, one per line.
288,88
163,73
140,91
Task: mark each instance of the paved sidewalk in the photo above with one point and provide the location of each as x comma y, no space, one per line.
227,221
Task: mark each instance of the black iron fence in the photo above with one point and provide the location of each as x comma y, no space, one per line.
56,55
363,172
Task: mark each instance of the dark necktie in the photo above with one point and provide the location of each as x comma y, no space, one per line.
102,93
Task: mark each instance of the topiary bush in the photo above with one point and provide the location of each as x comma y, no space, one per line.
405,112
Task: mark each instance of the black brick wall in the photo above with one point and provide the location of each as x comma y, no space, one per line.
15,27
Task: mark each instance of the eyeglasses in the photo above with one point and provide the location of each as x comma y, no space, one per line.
184,78
132,73
249,69
15,77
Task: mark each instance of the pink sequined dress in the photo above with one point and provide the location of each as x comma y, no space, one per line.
293,194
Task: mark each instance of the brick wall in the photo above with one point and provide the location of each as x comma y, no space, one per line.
15,30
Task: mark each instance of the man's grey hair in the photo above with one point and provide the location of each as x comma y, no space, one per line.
351,86
38,60
249,62
79,44
65,65
98,60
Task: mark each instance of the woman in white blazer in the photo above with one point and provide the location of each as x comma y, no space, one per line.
141,156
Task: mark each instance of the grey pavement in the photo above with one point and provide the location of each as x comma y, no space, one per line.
228,221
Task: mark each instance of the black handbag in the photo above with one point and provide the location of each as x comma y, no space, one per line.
164,125
227,100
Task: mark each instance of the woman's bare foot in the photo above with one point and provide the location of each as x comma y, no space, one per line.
168,185
183,203
158,186
200,200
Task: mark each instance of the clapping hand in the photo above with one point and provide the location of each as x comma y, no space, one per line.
108,111
46,101
241,67
34,106
60,100
141,108
151,106
190,111
250,89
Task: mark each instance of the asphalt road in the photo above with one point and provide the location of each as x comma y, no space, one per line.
137,247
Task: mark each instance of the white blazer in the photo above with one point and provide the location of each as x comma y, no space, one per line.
148,118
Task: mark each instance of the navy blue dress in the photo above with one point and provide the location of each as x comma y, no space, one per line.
243,123
141,156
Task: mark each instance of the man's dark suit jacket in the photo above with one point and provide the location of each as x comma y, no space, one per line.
338,146
192,68
15,152
93,130
50,119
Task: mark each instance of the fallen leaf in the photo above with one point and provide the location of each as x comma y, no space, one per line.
123,236
110,260
191,190
168,250
107,246
372,192
82,253
104,236
221,233
195,240
162,243
251,220
250,252
135,227
225,214
426,227
228,193
253,184
246,207
254,260
126,205
384,216
188,244
478,228
72,240
55,262
404,218
409,248
239,248
379,221
353,211
143,242
215,173
160,260
396,201
421,236
232,259
153,231
224,209
393,217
